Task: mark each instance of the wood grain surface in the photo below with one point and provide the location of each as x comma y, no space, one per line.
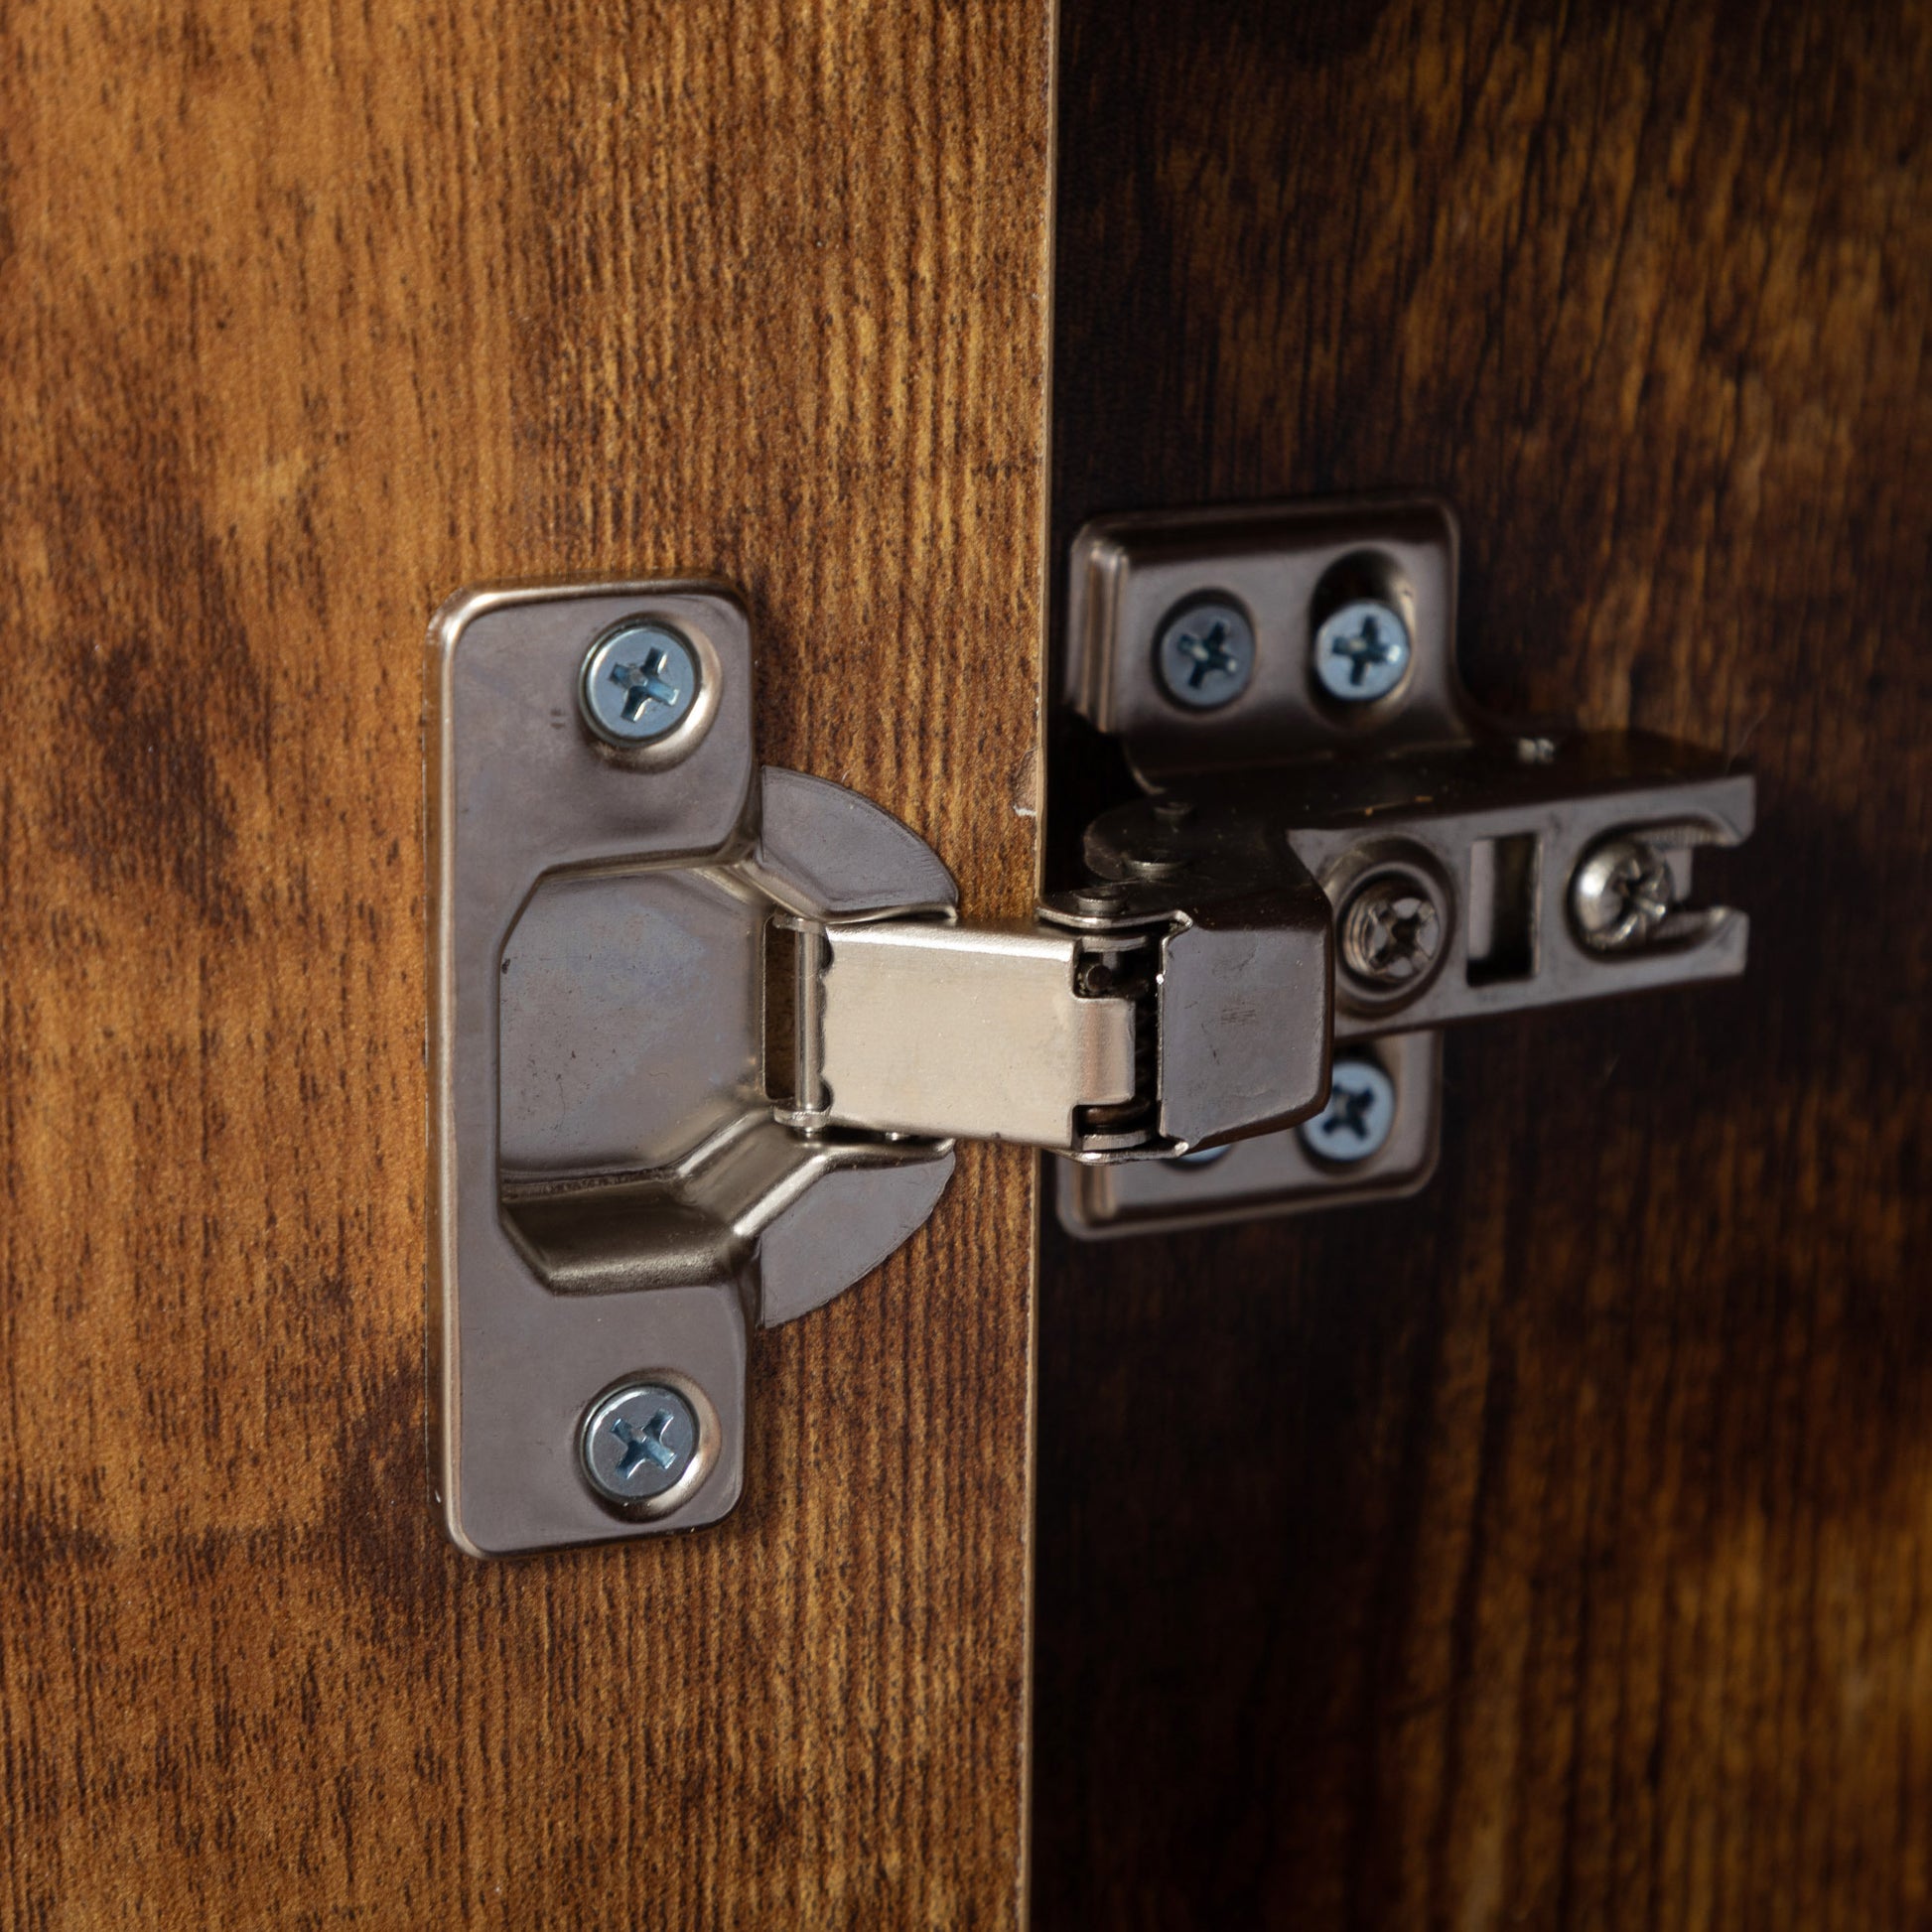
1556,1549
309,316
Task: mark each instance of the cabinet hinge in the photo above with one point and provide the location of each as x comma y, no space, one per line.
703,1034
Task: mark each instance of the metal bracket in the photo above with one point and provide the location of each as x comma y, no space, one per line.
702,1035
1290,669
613,1203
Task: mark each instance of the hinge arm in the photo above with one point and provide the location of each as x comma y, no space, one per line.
1126,1020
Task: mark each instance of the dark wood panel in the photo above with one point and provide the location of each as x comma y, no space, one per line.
308,316
1555,1549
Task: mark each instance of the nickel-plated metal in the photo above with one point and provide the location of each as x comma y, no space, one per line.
1283,564
1189,1008
1359,1115
1201,1156
1237,978
1361,651
702,1035
1205,656
610,1182
1622,895
1497,841
1392,931
980,1032
1268,1173
1471,868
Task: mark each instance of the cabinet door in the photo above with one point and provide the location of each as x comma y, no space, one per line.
307,317
1553,1549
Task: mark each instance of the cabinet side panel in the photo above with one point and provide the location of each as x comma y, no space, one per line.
308,316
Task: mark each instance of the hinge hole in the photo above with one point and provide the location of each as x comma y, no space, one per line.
1503,881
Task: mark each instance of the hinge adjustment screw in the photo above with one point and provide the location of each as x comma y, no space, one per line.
1621,894
1391,934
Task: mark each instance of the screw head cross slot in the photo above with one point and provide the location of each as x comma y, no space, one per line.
1359,1117
1621,894
1205,657
650,1446
638,1442
1391,934
643,684
639,682
1361,651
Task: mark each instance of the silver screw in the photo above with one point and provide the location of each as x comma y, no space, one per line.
1391,934
1621,894
1207,655
1361,651
640,681
638,1442
1360,1114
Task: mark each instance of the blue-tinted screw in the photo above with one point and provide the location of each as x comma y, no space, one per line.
1205,656
1359,1116
638,1442
1361,651
640,681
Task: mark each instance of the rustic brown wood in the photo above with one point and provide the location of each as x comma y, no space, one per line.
1555,1549
307,317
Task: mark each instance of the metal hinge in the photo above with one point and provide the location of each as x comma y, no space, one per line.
1117,1023
1318,852
1287,673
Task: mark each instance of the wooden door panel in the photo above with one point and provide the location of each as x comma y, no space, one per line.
305,319
1552,1549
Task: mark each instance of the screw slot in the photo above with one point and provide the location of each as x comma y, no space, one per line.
640,682
644,1447
1361,651
1205,654
1356,1123
1621,894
